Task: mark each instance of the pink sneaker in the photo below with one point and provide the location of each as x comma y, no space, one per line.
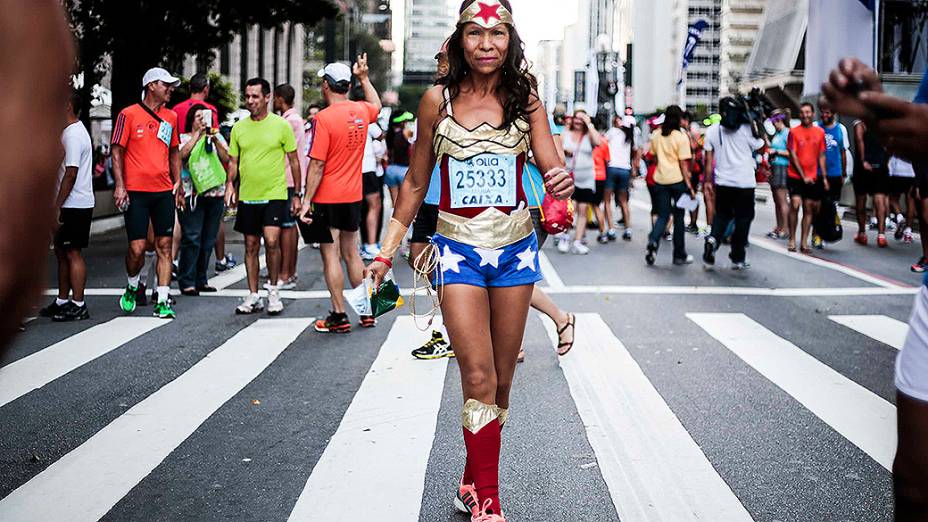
466,501
483,516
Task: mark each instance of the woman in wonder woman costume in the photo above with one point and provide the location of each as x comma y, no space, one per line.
479,123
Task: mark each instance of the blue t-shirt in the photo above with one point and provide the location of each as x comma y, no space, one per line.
433,196
531,174
834,149
779,143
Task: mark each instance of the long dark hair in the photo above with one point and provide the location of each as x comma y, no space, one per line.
192,115
672,117
515,88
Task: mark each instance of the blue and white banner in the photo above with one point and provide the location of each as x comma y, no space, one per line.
837,28
694,36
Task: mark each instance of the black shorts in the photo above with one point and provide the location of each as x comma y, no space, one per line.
591,196
813,192
154,207
372,183
253,217
899,185
74,229
835,187
345,217
921,178
425,224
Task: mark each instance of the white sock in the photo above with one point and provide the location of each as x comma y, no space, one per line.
79,303
60,302
163,292
272,288
908,230
134,280
146,266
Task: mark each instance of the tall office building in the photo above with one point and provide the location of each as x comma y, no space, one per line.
700,89
740,22
428,23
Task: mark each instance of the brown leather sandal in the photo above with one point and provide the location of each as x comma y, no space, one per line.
571,323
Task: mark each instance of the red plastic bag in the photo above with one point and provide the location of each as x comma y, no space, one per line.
557,215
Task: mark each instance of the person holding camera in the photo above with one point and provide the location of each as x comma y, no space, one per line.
730,180
203,150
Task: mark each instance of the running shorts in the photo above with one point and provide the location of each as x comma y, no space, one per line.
74,228
156,208
912,361
253,217
511,265
813,192
900,185
425,224
345,217
590,196
372,183
778,176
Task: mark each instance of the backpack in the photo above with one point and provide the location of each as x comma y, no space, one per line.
827,224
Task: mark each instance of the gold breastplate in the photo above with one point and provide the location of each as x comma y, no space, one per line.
461,143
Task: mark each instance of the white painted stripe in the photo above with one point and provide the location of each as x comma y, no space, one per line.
29,373
652,467
605,289
878,327
859,415
548,271
87,482
381,448
234,275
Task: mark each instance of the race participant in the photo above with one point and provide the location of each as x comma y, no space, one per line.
871,177
199,91
284,96
260,147
730,181
334,186
779,164
600,160
579,141
623,165
855,89
837,145
806,181
74,203
672,179
372,185
901,183
146,168
487,249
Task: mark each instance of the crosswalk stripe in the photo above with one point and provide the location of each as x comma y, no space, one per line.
87,482
860,416
881,328
381,448
29,373
654,470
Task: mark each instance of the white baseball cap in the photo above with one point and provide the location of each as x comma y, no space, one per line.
338,72
156,74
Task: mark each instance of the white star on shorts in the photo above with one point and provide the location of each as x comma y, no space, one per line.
489,257
450,260
527,259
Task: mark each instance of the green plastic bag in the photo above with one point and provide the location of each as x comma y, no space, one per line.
206,171
387,298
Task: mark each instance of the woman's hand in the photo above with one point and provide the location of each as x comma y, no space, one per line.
376,272
559,183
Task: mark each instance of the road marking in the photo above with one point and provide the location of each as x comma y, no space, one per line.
652,467
548,271
878,327
87,482
381,448
605,290
859,415
29,373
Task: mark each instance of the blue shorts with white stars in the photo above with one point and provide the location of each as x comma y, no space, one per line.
511,265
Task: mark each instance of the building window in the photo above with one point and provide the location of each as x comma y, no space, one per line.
903,37
260,52
579,86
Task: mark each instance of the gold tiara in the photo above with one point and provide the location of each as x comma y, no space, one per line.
486,14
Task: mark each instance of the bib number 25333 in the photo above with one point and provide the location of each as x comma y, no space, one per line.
487,180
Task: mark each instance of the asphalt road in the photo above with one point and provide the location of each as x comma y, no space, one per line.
690,395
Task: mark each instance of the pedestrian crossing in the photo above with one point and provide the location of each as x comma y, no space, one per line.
375,464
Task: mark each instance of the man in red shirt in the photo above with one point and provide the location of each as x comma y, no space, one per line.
806,179
334,184
199,91
146,167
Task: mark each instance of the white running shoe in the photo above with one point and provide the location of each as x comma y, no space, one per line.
274,304
250,305
369,252
563,245
579,249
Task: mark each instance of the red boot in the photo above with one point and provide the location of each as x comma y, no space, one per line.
482,440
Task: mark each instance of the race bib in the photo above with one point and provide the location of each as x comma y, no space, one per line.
487,180
164,133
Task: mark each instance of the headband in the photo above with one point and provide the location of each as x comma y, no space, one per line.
486,14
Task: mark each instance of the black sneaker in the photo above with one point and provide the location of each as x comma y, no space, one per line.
140,298
52,309
602,239
71,312
651,253
692,229
334,323
435,348
708,252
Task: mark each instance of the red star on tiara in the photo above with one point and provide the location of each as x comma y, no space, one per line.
488,11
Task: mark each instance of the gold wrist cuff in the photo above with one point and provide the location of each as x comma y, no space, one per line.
392,239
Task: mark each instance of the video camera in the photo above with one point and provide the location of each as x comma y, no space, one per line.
752,108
